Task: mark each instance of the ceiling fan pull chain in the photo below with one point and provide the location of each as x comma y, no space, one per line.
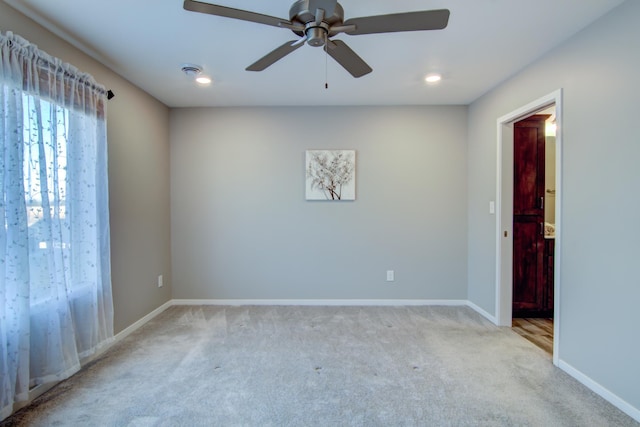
326,61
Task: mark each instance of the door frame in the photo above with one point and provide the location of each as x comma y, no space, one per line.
504,213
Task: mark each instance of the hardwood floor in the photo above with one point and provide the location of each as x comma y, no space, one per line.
538,331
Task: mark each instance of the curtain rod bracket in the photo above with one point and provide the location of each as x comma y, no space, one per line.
110,94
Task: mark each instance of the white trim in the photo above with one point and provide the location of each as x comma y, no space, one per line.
501,317
482,312
503,291
503,296
141,322
338,303
125,333
557,252
320,302
601,391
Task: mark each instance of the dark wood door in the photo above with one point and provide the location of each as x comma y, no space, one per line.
530,274
528,163
528,266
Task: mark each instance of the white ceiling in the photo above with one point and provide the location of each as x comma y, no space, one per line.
146,41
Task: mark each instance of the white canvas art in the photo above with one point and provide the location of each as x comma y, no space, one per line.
331,175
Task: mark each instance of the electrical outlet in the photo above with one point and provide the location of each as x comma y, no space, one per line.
390,276
160,281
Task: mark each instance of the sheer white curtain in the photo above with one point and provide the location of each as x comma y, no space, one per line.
55,279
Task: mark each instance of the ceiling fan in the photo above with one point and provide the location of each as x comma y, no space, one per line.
316,21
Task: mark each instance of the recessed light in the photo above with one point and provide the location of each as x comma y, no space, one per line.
203,80
433,78
195,72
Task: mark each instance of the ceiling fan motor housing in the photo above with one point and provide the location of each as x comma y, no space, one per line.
316,33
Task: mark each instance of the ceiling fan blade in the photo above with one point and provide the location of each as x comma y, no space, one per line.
346,57
409,21
329,6
229,12
275,55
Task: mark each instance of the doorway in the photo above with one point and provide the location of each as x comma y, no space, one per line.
505,212
533,227
533,220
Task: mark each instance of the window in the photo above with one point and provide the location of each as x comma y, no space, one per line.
45,127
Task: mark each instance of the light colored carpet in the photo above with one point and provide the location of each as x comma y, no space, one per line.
321,366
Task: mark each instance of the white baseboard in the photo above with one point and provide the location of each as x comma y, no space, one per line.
135,326
320,302
610,397
482,312
601,391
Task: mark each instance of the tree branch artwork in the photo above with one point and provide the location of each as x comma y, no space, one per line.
331,174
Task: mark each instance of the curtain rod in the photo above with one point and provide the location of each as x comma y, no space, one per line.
45,58
93,84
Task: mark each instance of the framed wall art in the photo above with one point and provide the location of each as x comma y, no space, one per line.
330,175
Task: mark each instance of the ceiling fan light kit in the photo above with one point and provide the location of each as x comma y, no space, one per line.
317,21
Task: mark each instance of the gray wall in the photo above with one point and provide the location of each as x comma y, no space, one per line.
598,71
138,138
241,228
